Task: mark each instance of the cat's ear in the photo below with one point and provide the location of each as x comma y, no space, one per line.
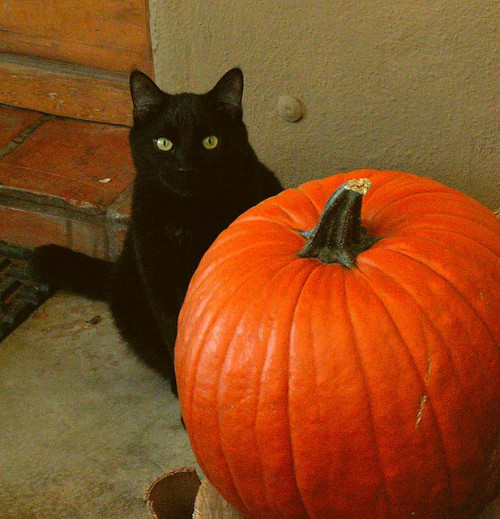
228,92
146,96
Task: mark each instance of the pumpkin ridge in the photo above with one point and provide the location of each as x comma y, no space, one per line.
424,313
484,223
268,220
410,227
206,302
481,441
403,221
448,284
237,253
288,408
249,304
219,428
274,204
288,214
190,408
386,188
358,356
455,232
195,371
452,361
486,328
452,195
289,435
453,287
424,385
217,401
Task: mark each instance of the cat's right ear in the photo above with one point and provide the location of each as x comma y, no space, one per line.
228,92
146,96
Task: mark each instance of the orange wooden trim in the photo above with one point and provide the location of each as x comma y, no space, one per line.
107,34
65,90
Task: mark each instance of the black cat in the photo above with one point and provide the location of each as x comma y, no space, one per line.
196,172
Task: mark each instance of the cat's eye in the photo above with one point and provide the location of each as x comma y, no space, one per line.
210,142
164,144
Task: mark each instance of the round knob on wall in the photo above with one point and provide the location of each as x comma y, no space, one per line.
290,109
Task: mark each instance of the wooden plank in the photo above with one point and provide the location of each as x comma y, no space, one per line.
65,90
107,34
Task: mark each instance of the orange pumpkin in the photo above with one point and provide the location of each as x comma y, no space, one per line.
348,368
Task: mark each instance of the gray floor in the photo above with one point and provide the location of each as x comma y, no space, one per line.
84,427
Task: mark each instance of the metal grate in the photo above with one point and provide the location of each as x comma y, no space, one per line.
20,295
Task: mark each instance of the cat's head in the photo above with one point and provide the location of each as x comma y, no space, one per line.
188,142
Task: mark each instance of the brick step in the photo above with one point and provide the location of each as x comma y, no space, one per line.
63,181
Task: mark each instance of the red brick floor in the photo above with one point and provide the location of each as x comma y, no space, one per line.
63,181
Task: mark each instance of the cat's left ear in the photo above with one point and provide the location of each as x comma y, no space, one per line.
146,96
229,91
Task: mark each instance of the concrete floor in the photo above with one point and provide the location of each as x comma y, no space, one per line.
84,427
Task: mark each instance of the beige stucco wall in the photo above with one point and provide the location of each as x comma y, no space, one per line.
410,85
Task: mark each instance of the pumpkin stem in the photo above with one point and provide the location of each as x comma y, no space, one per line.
339,236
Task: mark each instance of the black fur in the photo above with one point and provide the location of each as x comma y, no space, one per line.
183,198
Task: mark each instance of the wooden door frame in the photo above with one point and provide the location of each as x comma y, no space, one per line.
74,89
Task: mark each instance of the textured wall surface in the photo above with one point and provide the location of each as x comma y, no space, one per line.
409,85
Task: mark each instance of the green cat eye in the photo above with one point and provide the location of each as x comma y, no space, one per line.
164,144
210,142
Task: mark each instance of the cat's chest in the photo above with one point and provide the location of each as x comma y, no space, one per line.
184,233
172,243
176,234
164,239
